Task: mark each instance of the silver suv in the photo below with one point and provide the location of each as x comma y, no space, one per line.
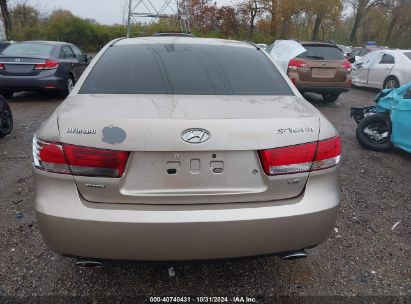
179,148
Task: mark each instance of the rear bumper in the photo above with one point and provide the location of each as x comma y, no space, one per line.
70,225
44,81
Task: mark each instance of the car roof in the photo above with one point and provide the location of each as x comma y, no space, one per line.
318,43
401,51
45,42
390,51
173,33
183,40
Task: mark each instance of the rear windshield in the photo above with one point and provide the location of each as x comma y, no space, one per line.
408,54
28,49
184,69
321,52
363,52
3,46
359,52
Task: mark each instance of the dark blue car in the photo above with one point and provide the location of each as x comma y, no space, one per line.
40,66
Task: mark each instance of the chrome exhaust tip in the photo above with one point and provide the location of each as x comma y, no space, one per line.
86,263
294,255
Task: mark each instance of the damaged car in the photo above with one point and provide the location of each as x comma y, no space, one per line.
383,69
388,124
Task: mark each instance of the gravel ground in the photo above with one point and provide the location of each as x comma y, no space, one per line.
363,256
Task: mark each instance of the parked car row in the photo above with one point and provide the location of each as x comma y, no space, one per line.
202,146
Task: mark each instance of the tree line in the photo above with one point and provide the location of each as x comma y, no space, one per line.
351,22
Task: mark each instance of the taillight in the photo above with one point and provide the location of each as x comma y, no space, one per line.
290,159
328,154
48,65
78,160
95,162
346,66
49,157
2,66
294,64
302,158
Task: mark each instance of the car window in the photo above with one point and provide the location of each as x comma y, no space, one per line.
28,49
387,59
408,54
269,48
184,69
3,46
78,53
363,52
66,53
322,52
368,60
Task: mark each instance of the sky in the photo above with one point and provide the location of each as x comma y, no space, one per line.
104,11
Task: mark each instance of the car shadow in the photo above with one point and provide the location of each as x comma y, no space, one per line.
35,96
316,100
217,277
366,89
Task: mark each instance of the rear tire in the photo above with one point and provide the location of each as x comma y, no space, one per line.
374,132
68,87
391,83
6,118
330,97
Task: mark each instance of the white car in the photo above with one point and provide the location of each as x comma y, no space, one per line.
383,69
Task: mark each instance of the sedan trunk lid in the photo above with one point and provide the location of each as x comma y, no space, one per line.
165,169
20,66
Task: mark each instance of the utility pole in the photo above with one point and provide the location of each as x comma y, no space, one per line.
129,18
153,10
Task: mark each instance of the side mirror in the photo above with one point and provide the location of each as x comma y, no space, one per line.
87,58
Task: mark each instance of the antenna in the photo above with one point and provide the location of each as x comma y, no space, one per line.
151,11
